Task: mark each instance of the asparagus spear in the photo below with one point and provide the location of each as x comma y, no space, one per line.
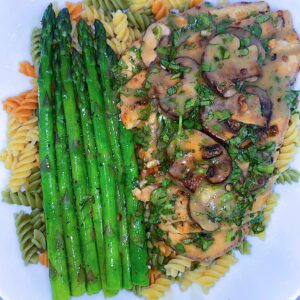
112,124
135,212
78,165
127,159
66,195
55,240
91,156
105,162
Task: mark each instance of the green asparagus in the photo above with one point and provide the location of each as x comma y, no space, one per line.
55,238
112,124
91,157
137,236
66,195
78,166
105,161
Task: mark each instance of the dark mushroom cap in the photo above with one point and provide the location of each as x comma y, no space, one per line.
202,157
225,65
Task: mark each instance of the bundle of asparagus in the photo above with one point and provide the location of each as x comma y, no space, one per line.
95,232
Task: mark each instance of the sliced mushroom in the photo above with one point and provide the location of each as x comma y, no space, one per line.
220,246
226,66
172,103
193,47
210,200
201,157
225,117
130,104
151,39
242,34
265,101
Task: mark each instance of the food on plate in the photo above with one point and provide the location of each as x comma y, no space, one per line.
151,139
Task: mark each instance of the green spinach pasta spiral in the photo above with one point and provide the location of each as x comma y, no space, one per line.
34,181
288,176
25,198
39,240
35,46
108,6
138,20
25,234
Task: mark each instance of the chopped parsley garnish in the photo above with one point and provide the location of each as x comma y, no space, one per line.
256,30
179,248
222,115
262,18
206,95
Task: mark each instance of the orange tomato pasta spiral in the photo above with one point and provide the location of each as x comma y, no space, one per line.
159,9
193,3
75,10
28,104
27,69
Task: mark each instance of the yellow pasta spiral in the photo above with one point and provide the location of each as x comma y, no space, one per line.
178,265
214,272
270,205
118,46
139,5
175,3
120,26
190,277
18,133
288,148
90,14
9,159
157,289
22,169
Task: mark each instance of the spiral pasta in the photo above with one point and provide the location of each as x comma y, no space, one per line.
28,104
25,233
118,46
90,14
193,3
214,272
138,20
159,9
18,133
38,219
191,276
25,198
288,176
157,289
140,5
177,266
108,6
9,159
33,183
175,4
120,26
11,103
39,239
43,259
134,34
35,46
288,148
75,10
27,69
22,169
271,203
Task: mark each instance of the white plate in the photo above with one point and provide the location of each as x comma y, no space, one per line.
271,272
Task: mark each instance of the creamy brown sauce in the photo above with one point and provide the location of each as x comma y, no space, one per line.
213,81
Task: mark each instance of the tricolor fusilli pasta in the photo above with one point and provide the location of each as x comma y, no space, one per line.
140,5
288,149
214,272
157,289
25,198
159,9
288,176
35,46
177,266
